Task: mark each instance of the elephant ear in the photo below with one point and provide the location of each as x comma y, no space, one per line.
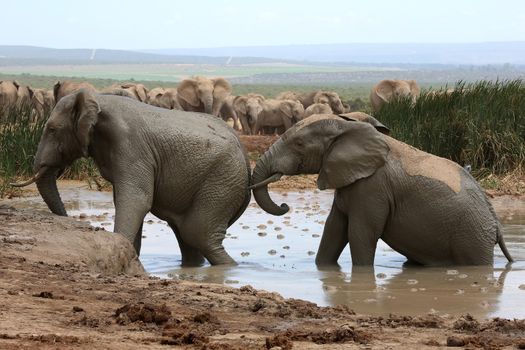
239,104
221,88
56,89
363,117
187,90
287,108
142,92
385,90
39,96
85,114
355,154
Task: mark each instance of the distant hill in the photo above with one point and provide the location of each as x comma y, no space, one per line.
32,55
444,54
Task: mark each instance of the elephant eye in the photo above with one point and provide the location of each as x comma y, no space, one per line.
299,143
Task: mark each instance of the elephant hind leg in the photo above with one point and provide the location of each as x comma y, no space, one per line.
207,239
190,256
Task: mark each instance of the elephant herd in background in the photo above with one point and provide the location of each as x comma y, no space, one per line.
252,114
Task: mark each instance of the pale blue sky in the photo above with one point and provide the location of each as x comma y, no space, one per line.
134,24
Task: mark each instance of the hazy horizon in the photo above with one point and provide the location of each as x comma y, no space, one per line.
106,24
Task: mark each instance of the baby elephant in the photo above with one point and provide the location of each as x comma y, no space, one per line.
425,207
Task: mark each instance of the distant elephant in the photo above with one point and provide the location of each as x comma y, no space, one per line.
201,94
13,94
278,116
42,101
329,98
63,88
138,91
387,90
228,112
164,98
425,207
248,107
189,169
317,108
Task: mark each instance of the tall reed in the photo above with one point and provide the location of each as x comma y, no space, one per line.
481,124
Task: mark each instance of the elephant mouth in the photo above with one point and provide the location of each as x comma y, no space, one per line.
35,177
273,178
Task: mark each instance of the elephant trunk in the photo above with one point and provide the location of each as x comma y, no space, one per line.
47,186
262,175
208,103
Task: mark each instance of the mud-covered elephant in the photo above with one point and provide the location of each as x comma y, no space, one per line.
66,87
200,94
42,101
387,90
277,116
164,98
248,107
199,189
425,207
13,94
307,99
317,108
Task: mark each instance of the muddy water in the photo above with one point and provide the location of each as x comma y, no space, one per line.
277,254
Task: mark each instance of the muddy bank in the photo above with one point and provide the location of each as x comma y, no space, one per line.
56,298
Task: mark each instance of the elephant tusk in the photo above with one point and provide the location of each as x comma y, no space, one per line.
35,177
272,178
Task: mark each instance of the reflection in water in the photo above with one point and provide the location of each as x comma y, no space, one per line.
275,254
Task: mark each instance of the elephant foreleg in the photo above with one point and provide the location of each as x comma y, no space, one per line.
131,206
334,238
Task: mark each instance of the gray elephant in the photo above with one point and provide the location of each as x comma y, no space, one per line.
425,207
201,94
387,90
248,107
277,116
13,94
164,98
199,189
307,99
63,88
317,108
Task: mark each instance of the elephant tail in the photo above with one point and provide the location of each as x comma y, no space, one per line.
503,246
248,195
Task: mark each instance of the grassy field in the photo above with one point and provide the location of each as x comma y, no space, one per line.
347,92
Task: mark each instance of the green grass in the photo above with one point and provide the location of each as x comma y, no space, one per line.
482,124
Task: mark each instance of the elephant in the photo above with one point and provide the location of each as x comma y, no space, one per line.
278,116
227,111
201,94
248,107
164,98
63,88
13,93
387,90
42,101
317,108
427,208
137,91
329,98
189,169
